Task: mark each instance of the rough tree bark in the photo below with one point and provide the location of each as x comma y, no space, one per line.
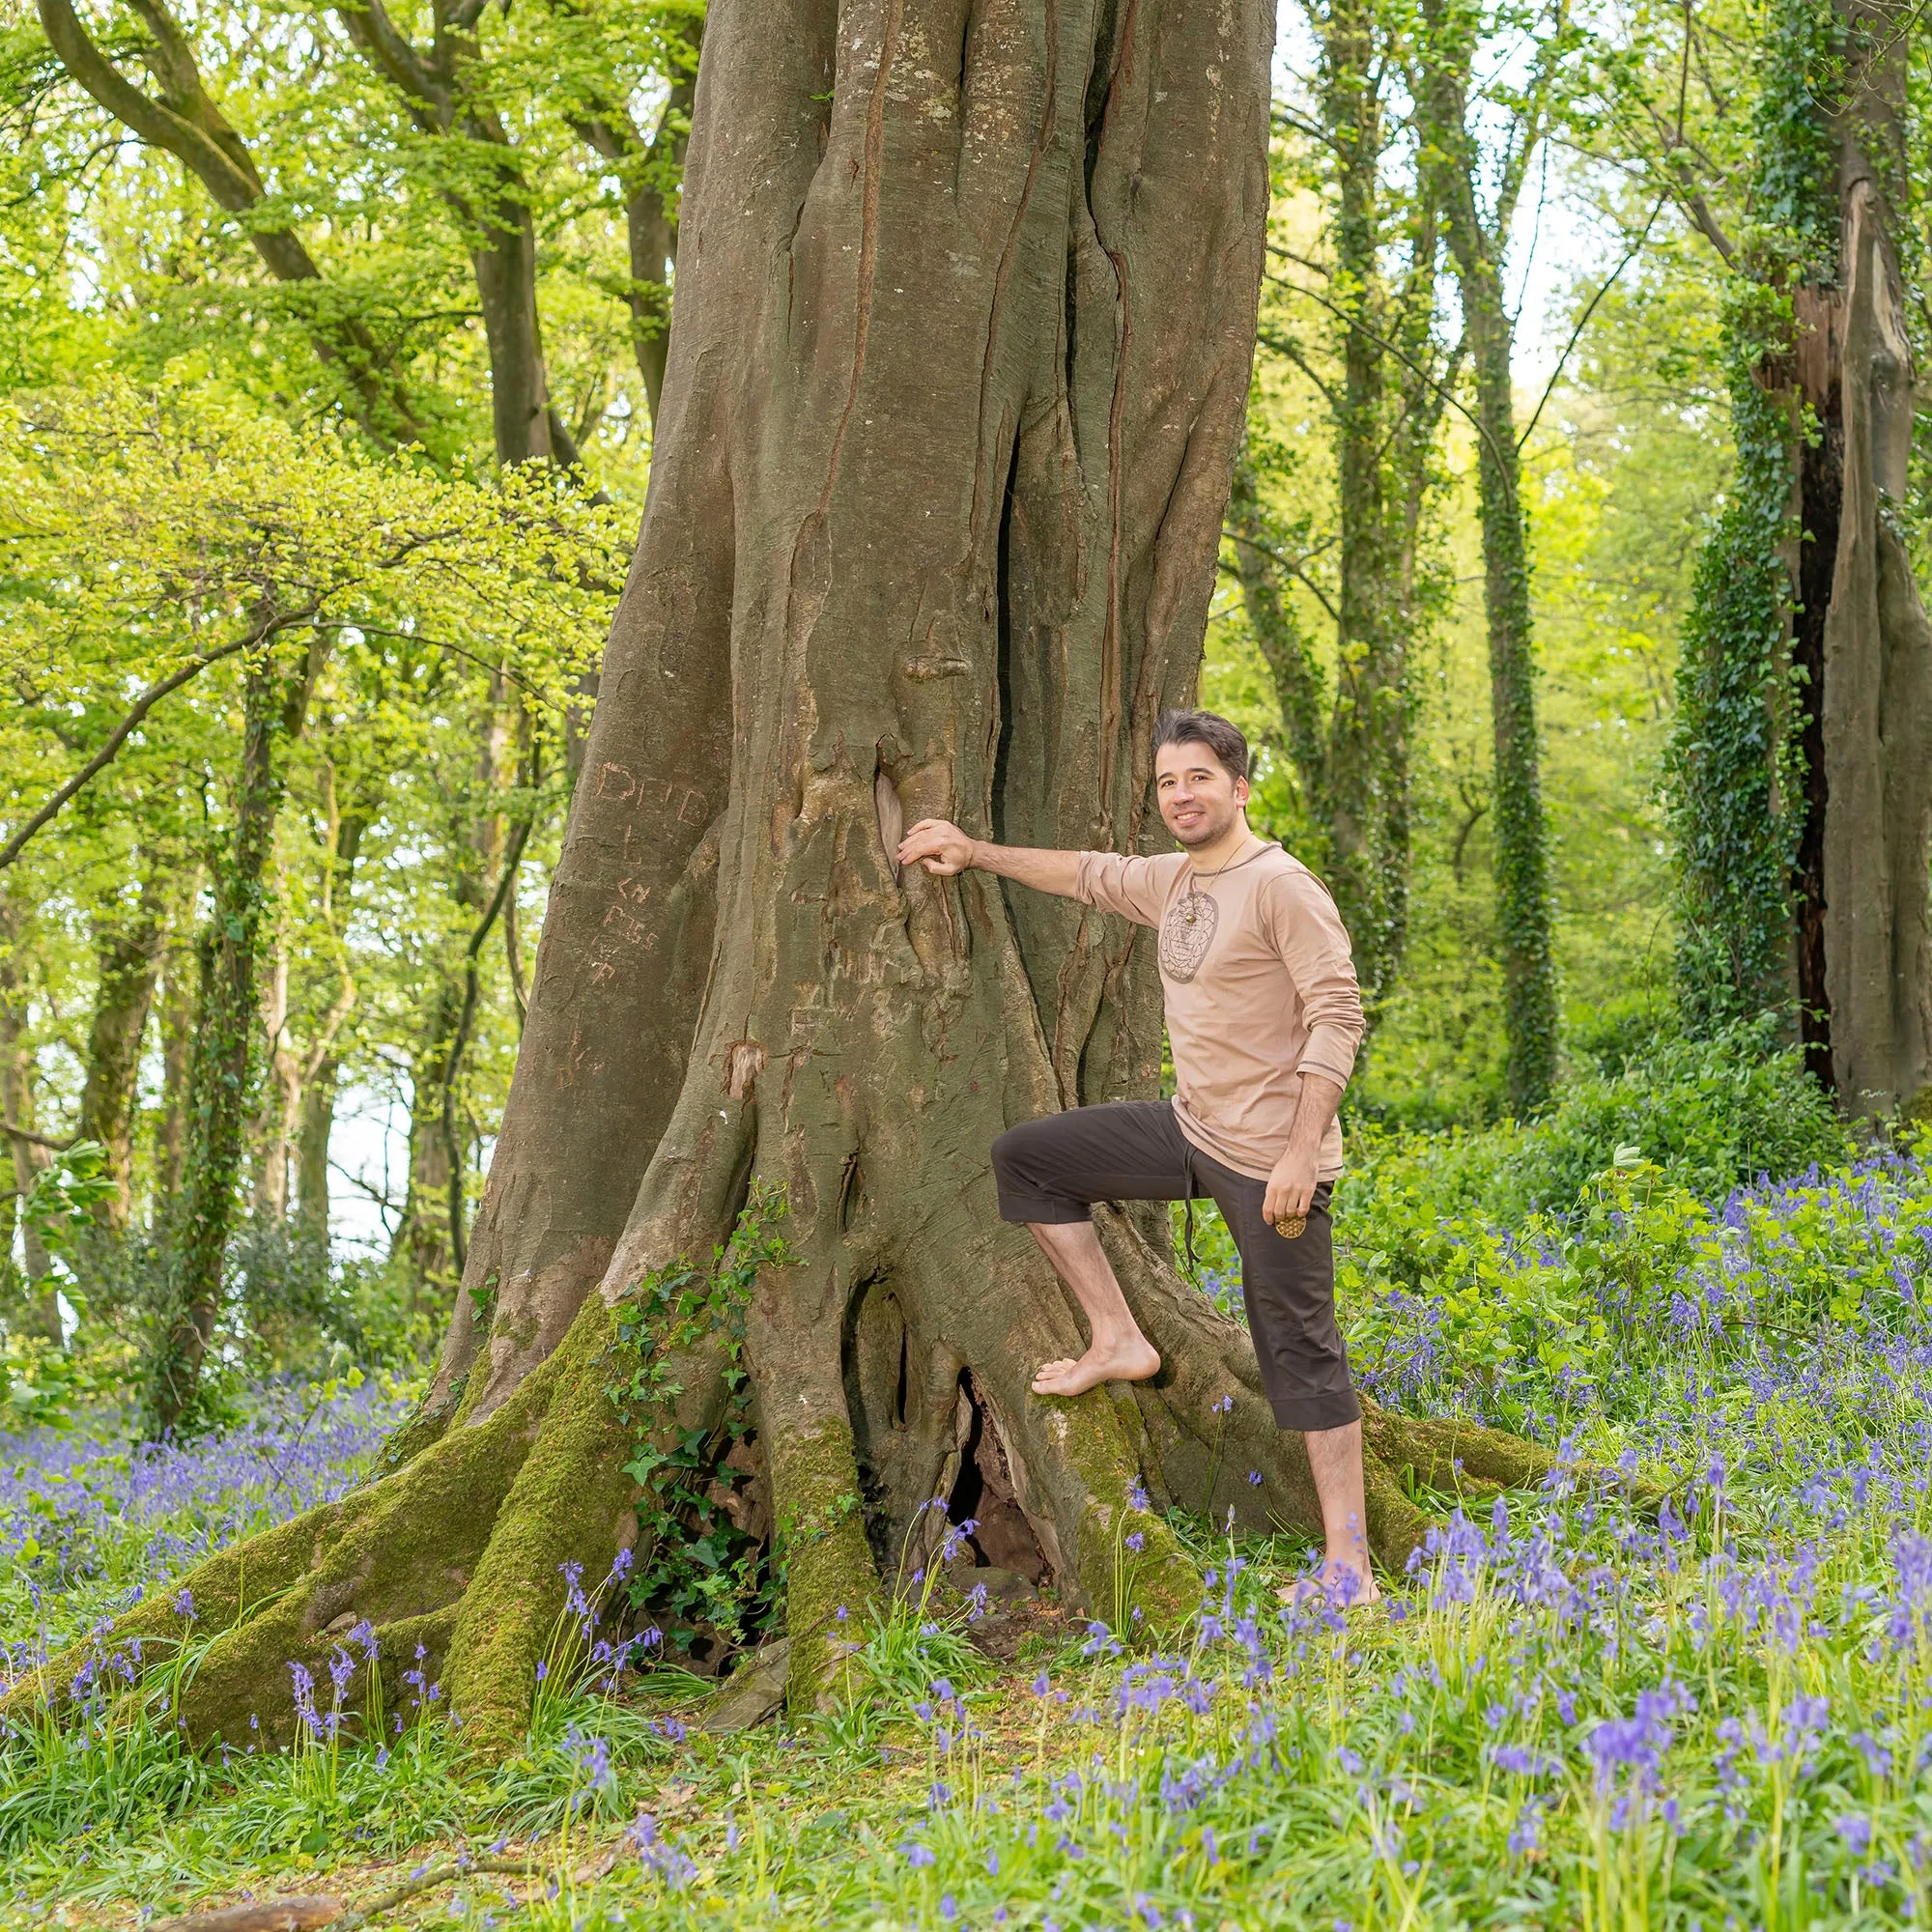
966,312
1864,936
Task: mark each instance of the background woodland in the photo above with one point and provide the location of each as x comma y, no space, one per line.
330,342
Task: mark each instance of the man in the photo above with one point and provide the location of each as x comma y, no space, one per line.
1264,1018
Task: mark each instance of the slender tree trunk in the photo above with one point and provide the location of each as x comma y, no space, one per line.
1300,688
1351,753
280,1101
126,962
651,229
318,1125
1368,761
323,1066
222,1061
16,1106
523,419
964,341
445,94
421,1240
1524,910
178,1000
433,1235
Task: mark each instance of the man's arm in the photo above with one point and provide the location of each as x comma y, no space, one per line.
1291,1187
942,849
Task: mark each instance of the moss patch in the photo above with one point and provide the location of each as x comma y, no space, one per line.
822,1545
569,1498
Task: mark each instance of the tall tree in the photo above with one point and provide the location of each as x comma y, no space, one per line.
1382,380
128,942
966,318
29,1150
449,98
246,547
1478,238
280,681
1802,761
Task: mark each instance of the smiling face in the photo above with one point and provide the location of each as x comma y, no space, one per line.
1200,802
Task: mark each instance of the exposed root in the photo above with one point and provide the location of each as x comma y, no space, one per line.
806,1427
572,1501
398,1550
830,1581
1445,1454
456,1555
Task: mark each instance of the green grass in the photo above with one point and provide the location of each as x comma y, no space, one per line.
1570,1715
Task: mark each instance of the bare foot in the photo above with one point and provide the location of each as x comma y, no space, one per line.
1126,1362
1340,1586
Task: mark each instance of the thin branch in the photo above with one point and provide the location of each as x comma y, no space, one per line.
1287,563
455,650
20,1134
423,1880
1326,273
1582,321
1408,362
374,1193
1285,117
124,730
452,1063
1286,350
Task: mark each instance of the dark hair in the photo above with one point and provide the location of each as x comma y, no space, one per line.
1204,727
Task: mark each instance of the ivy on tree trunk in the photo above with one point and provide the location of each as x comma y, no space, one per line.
1801,762
224,1059
1476,238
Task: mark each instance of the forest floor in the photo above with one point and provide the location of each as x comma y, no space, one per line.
1569,1714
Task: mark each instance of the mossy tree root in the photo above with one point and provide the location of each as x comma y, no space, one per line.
454,1561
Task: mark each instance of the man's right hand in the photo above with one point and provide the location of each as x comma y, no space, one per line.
940,847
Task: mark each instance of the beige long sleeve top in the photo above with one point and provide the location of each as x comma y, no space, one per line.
1260,985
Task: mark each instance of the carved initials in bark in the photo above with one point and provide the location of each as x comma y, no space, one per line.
966,307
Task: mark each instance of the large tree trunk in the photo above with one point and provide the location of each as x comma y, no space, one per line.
965,320
1803,803
1863,926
